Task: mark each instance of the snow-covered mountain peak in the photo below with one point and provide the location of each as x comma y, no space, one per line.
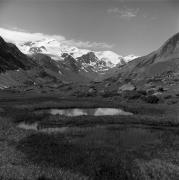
130,57
51,42
51,47
56,49
109,57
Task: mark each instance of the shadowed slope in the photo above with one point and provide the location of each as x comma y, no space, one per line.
12,59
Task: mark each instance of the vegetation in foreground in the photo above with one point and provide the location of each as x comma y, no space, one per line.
90,153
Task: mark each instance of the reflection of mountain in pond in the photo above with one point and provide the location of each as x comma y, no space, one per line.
91,112
26,126
128,137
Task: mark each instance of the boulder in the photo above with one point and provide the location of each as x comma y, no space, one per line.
92,92
151,91
158,94
102,92
107,85
126,87
156,90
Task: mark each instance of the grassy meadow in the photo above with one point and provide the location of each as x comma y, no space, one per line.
91,148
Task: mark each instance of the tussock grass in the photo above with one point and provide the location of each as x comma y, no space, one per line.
147,114
83,154
155,169
92,160
14,164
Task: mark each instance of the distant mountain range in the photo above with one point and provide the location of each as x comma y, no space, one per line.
56,49
18,69
48,61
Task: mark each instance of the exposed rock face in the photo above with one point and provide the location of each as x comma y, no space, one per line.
88,58
46,62
171,46
37,49
72,63
92,63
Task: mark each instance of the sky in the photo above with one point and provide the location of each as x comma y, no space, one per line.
126,27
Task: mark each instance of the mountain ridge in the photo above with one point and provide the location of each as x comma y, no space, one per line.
11,58
161,64
55,49
88,67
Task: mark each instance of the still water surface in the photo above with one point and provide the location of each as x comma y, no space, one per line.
89,111
127,136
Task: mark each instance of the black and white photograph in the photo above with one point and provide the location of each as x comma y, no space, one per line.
89,89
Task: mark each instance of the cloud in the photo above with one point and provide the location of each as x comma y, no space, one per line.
88,44
17,35
127,13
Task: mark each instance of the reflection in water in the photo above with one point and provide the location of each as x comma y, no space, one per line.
92,112
68,112
23,125
37,127
54,130
110,111
127,136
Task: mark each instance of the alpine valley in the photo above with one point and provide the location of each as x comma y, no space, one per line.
77,114
52,60
36,64
89,89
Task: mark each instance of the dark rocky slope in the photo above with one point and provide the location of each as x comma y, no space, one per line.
11,58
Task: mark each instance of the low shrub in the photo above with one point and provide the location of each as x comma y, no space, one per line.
107,94
150,91
151,99
43,91
131,95
142,92
172,101
167,96
80,94
160,89
25,115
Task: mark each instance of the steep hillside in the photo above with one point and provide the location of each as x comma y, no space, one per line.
161,63
18,69
67,69
82,69
91,62
156,72
12,59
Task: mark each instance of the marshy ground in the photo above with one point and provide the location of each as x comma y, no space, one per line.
142,146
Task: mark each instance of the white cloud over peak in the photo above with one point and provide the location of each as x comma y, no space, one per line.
17,35
124,12
88,44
